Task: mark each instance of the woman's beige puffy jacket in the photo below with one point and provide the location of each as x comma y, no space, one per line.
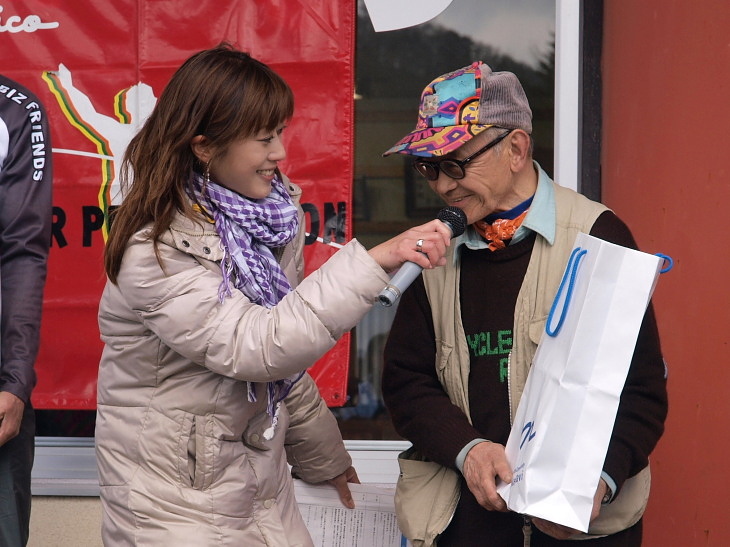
181,453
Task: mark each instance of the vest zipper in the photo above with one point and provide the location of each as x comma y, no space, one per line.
509,386
526,531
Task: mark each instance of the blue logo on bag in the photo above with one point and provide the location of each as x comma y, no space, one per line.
519,474
528,433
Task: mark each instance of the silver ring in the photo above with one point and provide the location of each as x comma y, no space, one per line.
419,245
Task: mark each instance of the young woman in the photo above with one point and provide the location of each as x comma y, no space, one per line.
209,327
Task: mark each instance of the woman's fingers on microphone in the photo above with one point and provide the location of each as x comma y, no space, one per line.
436,227
434,237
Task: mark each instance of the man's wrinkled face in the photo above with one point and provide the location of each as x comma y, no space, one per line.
487,185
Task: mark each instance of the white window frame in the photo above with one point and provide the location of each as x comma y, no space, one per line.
567,92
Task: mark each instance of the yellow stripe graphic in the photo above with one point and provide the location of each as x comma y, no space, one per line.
102,145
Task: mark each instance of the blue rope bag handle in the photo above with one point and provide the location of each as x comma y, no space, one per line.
668,260
571,272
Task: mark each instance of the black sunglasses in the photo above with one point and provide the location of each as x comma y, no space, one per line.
450,167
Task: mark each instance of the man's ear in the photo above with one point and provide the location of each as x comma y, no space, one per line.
519,142
201,148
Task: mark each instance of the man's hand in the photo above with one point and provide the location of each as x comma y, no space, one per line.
558,531
340,483
563,532
483,464
11,416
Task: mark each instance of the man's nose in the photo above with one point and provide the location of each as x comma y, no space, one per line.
443,183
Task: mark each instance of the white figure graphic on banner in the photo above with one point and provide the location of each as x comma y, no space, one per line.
133,105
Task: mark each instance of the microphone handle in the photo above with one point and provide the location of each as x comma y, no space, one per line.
400,282
403,278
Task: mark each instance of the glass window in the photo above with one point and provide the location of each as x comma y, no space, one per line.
392,68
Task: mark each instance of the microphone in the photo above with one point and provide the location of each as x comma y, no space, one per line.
455,220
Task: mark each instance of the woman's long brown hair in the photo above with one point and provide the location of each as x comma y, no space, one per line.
221,93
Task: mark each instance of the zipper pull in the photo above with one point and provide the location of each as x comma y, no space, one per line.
527,531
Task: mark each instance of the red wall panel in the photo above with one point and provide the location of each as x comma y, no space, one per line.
666,83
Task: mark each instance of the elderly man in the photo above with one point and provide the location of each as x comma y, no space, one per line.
464,335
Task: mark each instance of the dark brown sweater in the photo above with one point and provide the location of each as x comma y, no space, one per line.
422,413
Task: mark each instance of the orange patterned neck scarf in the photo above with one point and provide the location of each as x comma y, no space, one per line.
499,231
498,228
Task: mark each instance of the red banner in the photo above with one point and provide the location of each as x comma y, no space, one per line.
98,66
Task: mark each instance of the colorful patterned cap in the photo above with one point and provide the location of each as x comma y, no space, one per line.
459,105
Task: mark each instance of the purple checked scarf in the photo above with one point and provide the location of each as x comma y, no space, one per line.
249,229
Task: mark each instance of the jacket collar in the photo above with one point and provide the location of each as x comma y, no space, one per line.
198,236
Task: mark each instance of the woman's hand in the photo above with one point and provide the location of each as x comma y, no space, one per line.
425,245
340,483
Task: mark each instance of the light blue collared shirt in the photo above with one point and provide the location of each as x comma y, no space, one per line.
540,217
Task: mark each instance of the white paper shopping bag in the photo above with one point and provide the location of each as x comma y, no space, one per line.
565,417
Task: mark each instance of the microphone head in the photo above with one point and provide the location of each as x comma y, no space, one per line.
454,218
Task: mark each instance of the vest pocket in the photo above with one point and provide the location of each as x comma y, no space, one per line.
425,498
443,354
536,328
449,378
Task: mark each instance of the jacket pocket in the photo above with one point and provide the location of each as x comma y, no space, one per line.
253,436
197,453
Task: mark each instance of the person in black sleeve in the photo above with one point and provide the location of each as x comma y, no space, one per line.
25,235
460,346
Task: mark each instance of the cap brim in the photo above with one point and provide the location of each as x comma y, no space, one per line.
436,141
